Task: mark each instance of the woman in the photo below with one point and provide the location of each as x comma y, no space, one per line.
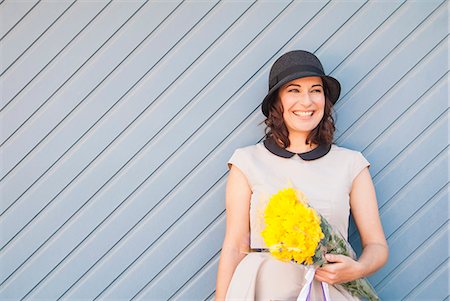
298,152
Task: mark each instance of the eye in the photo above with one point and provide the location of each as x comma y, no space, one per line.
294,90
317,91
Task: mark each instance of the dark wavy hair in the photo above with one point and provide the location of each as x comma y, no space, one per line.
276,129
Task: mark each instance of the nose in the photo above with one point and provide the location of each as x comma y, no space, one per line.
304,99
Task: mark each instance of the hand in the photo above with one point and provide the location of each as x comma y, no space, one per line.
339,269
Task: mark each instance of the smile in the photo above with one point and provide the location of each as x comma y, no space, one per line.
303,113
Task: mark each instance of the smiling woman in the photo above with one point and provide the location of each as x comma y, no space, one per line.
299,152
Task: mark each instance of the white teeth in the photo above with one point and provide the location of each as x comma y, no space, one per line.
301,113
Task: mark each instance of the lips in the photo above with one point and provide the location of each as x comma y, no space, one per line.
303,113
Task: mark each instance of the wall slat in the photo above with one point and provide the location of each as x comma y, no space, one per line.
118,117
40,19
44,70
12,13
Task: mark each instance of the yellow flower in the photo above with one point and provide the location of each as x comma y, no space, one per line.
292,228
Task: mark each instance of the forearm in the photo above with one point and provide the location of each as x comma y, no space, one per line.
373,257
229,260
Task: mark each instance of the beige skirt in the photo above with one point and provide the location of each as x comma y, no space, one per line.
261,277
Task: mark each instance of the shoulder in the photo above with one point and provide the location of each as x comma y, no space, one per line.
344,156
250,150
341,151
243,155
249,157
348,159
245,158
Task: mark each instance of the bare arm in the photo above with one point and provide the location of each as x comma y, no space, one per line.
365,213
364,208
236,240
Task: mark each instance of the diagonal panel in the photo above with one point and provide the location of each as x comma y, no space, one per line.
398,79
398,254
407,127
116,12
428,180
29,30
194,10
408,274
418,191
201,286
15,186
194,256
12,13
355,31
438,278
44,70
367,56
48,46
93,91
411,160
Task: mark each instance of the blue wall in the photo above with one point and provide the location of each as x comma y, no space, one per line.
117,120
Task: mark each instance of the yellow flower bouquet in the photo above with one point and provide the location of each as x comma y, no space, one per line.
294,231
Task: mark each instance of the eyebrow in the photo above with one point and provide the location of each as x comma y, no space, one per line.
316,85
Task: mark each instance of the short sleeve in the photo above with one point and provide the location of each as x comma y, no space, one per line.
244,159
238,160
358,164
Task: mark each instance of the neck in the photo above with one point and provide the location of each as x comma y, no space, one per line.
298,144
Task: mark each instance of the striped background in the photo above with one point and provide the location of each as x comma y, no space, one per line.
118,117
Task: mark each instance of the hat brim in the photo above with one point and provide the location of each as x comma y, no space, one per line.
334,89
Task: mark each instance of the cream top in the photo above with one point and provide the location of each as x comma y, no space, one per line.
326,181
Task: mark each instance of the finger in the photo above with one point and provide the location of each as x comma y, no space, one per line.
330,279
330,267
326,272
320,279
335,258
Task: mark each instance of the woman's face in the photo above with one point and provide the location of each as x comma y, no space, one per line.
303,102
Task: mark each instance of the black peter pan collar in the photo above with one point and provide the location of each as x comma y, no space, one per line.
314,154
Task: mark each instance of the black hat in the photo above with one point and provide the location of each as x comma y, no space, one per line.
297,64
